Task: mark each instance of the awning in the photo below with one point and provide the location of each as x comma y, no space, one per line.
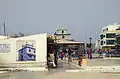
68,42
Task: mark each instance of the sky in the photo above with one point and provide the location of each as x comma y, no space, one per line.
83,18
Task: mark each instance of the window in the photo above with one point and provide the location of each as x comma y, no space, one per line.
29,50
104,42
110,35
101,42
106,29
102,36
110,42
34,51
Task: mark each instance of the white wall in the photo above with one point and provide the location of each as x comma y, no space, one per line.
15,43
11,55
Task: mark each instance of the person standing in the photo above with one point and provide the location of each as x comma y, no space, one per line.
90,53
87,52
52,58
104,54
69,55
109,53
62,55
100,52
84,52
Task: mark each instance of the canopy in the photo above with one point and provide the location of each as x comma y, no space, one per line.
68,42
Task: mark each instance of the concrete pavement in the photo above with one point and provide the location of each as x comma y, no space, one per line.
64,71
98,65
59,75
83,75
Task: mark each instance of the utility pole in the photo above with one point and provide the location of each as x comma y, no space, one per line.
4,28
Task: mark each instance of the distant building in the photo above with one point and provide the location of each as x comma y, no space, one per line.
62,33
118,43
108,36
64,40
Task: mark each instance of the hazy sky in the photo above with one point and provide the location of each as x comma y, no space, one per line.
83,18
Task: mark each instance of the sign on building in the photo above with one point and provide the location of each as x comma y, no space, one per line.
4,48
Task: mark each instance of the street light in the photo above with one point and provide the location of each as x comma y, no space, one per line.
90,41
55,42
90,53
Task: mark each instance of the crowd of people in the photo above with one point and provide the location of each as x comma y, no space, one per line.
65,53
53,56
105,53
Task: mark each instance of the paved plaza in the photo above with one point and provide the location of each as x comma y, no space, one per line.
59,75
101,62
69,71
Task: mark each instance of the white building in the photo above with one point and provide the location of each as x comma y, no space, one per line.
108,35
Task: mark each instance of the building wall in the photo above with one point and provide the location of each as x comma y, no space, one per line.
110,29
10,58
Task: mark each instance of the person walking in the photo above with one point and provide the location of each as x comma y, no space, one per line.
100,52
69,55
90,53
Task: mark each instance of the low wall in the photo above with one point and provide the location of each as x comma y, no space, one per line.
23,65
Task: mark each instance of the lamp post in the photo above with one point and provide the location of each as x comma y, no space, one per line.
90,53
55,42
90,41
